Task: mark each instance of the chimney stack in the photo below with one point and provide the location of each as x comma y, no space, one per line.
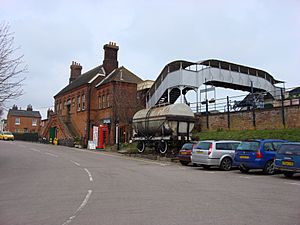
110,61
75,71
29,107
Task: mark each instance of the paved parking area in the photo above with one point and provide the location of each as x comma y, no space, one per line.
45,184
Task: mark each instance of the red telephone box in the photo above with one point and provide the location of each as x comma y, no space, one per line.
102,136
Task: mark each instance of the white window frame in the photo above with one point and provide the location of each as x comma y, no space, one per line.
83,102
17,121
78,103
34,122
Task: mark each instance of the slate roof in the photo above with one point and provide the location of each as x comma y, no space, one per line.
121,74
81,80
24,113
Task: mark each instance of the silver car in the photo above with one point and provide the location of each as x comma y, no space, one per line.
214,153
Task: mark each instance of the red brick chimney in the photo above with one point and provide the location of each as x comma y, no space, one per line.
110,61
75,71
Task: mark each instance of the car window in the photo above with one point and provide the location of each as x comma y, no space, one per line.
249,146
277,145
203,145
268,146
187,146
222,146
234,146
290,149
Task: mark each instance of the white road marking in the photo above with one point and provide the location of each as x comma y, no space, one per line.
210,172
53,155
292,183
36,150
76,163
245,177
90,175
83,204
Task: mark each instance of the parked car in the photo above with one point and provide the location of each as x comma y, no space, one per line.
184,154
6,136
257,154
214,153
288,159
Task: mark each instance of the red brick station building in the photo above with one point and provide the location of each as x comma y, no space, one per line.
103,98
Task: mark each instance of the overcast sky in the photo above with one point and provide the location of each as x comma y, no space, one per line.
150,34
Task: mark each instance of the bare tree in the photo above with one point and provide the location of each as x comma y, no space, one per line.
11,66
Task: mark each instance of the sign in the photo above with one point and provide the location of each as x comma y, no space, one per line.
95,135
106,120
91,145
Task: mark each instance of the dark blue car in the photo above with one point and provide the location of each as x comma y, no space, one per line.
257,154
288,159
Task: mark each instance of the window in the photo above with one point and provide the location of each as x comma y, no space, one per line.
17,121
227,146
222,146
34,122
99,102
107,100
249,146
78,103
268,146
203,145
290,149
83,102
103,102
277,145
73,102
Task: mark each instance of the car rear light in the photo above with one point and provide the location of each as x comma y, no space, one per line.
259,155
210,149
189,152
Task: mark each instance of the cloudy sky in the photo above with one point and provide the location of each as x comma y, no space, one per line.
264,34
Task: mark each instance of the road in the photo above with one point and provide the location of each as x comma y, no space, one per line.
56,185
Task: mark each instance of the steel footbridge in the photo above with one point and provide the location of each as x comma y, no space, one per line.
179,77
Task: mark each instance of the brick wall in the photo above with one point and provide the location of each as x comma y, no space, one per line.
264,119
24,126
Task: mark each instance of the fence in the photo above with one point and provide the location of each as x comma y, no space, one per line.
249,105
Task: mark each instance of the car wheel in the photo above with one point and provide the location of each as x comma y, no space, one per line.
184,163
205,166
243,169
226,164
269,168
288,174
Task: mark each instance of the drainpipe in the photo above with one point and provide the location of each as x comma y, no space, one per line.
88,112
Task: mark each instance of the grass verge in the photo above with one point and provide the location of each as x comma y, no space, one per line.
287,134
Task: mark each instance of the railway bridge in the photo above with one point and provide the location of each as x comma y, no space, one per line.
179,77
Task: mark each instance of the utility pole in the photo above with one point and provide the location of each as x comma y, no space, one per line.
253,105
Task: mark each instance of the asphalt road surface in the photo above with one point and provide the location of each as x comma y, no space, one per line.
55,185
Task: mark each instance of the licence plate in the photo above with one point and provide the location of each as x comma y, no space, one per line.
287,163
199,152
244,157
182,153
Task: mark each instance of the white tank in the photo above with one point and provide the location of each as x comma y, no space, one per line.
176,119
